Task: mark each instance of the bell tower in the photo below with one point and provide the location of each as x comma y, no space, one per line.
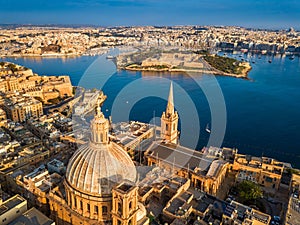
169,121
124,204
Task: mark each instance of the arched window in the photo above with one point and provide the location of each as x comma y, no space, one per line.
96,210
130,205
81,205
88,207
75,201
119,208
104,210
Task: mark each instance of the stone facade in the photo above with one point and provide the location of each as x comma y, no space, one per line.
264,171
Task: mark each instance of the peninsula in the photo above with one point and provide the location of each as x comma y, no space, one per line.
174,60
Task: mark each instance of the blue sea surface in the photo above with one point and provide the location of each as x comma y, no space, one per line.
262,113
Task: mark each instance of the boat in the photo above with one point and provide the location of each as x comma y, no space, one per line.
270,61
207,129
253,61
110,57
291,57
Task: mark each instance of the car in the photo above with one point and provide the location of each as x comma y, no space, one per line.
276,218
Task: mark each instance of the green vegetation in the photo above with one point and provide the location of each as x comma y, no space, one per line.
161,67
151,218
224,64
249,191
2,64
154,67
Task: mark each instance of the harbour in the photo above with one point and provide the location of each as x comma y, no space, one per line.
261,112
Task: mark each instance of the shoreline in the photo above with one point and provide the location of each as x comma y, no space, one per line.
220,73
43,56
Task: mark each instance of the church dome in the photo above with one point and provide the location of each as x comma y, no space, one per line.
100,164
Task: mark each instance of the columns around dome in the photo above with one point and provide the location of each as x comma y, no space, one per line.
92,207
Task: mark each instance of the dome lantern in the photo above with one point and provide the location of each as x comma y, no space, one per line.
99,127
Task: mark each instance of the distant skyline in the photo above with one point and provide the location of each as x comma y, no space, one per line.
271,14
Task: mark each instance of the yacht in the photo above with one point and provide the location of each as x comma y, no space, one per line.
207,129
110,57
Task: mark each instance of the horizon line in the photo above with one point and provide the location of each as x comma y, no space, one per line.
72,25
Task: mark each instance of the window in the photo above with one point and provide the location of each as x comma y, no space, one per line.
167,127
104,210
130,205
96,210
88,207
81,205
119,208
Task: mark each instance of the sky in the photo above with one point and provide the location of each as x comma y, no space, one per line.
274,14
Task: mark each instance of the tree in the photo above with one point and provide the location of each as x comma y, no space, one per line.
249,191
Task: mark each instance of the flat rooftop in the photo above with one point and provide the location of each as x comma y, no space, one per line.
124,187
32,217
11,203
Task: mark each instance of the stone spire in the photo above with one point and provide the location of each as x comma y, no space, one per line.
99,127
170,107
169,121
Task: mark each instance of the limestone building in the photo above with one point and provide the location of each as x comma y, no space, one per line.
19,108
99,187
265,171
207,172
